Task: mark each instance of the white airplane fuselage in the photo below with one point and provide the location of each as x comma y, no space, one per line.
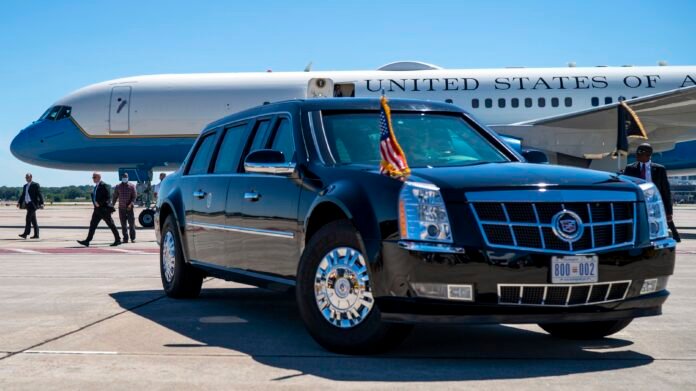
150,121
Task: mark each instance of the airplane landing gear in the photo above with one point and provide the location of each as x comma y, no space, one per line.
147,218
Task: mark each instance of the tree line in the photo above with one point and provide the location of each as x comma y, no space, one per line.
50,194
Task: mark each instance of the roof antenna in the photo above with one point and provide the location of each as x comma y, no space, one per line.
308,68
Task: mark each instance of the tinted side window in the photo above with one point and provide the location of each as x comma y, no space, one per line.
489,103
474,103
514,102
541,102
595,101
262,128
282,140
201,160
527,102
554,102
230,150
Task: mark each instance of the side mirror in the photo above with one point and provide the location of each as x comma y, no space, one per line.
535,156
268,161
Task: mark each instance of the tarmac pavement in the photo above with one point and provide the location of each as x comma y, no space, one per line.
86,318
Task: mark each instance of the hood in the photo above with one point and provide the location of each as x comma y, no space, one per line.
499,176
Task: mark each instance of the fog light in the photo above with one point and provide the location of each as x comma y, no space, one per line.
649,286
444,291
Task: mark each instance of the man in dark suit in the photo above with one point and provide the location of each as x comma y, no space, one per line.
31,200
102,211
644,168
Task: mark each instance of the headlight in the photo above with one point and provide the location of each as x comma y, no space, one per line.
657,219
422,213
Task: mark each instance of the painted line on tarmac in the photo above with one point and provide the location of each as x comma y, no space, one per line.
79,250
24,251
77,330
87,352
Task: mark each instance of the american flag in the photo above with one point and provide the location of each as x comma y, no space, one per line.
393,159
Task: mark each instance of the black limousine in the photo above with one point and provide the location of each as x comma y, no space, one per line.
289,195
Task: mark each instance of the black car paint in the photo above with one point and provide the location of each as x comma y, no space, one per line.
369,200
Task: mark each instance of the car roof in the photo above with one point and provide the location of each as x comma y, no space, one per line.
334,104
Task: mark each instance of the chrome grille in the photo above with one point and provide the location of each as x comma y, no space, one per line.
557,295
527,225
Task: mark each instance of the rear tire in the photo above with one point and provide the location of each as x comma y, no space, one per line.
585,330
334,261
179,279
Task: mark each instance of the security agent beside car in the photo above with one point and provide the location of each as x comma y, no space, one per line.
102,211
31,200
125,193
655,173
290,195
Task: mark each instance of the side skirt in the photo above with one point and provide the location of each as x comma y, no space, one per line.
242,276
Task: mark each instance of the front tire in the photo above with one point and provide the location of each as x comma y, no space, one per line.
334,295
179,279
585,330
146,218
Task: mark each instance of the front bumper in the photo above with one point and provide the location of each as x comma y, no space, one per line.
400,266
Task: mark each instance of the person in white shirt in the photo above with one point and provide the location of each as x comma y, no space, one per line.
31,200
157,186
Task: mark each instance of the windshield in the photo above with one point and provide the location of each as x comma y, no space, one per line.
428,140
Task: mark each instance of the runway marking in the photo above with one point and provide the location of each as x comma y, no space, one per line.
79,250
24,250
69,352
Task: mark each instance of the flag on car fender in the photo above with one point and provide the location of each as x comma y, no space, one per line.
393,159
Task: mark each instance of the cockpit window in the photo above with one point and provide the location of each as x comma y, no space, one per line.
56,113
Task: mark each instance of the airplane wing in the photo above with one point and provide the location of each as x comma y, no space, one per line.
668,117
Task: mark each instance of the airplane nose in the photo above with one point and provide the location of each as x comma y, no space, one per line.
22,146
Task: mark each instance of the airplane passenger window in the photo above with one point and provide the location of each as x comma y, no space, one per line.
489,103
282,140
501,103
554,102
541,102
514,102
230,150
595,101
474,103
621,99
607,100
201,159
568,101
527,102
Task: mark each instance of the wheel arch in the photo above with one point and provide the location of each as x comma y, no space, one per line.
345,201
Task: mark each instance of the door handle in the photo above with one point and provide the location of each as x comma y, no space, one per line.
252,196
200,194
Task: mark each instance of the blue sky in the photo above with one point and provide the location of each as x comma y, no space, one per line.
49,48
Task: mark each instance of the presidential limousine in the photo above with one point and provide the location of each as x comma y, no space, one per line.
290,195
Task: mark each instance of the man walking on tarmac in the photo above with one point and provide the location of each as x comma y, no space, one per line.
102,211
31,200
125,193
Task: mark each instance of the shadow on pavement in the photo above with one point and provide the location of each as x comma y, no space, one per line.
265,325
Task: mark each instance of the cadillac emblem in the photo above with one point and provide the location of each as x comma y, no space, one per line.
567,226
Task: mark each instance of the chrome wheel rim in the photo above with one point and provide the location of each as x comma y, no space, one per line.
168,256
342,287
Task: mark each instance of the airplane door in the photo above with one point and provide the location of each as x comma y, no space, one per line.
119,111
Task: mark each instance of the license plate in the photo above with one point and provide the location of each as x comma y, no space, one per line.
574,269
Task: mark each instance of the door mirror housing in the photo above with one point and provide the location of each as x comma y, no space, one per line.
268,161
535,156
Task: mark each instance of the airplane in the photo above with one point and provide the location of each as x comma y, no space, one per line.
142,123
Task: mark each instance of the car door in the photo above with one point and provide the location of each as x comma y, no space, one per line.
208,198
195,166
269,209
226,168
